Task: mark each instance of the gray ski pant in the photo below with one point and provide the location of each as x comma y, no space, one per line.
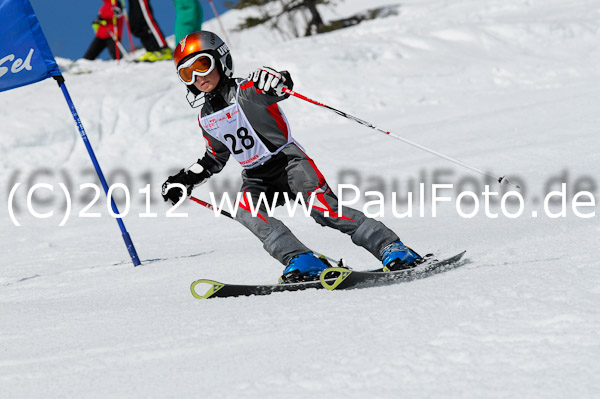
292,171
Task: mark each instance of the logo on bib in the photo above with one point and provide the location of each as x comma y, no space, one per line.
231,116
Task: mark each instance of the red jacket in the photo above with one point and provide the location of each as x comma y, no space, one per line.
105,17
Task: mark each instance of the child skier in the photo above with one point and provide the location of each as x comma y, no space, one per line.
240,117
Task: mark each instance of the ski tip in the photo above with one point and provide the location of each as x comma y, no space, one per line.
459,256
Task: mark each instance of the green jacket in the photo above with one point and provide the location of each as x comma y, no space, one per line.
188,18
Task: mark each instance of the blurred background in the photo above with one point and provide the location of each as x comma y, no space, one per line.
78,16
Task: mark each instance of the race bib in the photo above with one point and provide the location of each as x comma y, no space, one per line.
231,127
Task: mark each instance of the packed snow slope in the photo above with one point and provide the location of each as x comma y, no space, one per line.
508,86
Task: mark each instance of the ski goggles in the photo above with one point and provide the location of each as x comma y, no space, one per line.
199,65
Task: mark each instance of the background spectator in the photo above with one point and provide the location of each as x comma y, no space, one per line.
188,18
145,27
104,30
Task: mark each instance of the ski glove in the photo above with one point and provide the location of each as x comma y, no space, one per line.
270,81
117,11
96,24
194,176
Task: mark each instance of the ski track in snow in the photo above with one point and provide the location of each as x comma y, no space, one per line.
509,86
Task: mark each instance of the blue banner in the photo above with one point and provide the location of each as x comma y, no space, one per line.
25,56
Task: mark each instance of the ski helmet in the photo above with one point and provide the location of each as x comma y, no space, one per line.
205,42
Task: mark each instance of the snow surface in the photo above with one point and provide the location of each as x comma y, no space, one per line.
509,86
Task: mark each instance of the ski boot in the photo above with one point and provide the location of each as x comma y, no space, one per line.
398,256
303,267
159,55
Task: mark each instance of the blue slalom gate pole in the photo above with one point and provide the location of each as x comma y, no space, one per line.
128,243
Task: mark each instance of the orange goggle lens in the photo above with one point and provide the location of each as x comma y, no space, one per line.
200,65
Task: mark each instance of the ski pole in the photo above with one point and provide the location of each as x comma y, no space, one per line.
214,10
115,29
128,28
429,150
125,53
212,208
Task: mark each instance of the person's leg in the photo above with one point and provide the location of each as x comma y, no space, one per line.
305,177
144,26
110,45
95,48
277,239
